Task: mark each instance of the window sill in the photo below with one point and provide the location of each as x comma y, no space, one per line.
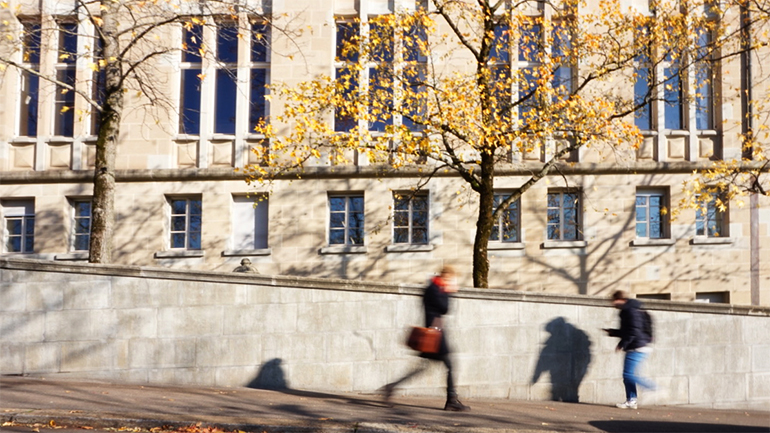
646,242
186,137
497,246
239,253
81,255
676,132
707,132
409,248
348,249
255,137
711,241
649,133
223,137
61,139
563,244
178,254
24,140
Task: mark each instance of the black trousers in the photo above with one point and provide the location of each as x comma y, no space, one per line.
450,383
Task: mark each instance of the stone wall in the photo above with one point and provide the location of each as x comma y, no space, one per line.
150,325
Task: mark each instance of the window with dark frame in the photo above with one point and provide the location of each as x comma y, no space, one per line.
30,83
186,221
650,214
81,224
507,226
410,218
346,220
563,219
711,217
19,225
64,100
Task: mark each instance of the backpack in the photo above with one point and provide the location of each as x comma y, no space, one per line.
646,324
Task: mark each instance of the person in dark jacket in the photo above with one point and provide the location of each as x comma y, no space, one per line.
634,342
435,301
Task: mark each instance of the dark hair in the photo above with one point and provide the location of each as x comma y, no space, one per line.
619,295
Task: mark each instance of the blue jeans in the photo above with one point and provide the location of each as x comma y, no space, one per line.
630,379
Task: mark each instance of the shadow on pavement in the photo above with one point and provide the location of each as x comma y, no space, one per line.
630,426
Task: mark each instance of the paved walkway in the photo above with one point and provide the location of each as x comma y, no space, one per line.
29,400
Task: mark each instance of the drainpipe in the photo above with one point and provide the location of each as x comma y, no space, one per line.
748,131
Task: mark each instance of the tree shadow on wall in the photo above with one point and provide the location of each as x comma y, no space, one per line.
565,356
270,376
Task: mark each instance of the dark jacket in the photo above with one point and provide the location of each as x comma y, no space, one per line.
631,332
436,303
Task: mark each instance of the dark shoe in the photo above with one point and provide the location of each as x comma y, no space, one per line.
454,405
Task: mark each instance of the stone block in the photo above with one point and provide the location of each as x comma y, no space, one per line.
22,327
378,314
676,147
487,369
239,376
321,376
190,321
253,294
11,358
759,387
59,156
161,353
42,358
738,358
356,347
708,359
707,389
755,329
137,293
91,355
206,295
137,323
86,295
222,154
328,317
713,329
22,156
705,147
760,355
219,351
44,297
78,325
370,376
12,296
646,149
472,313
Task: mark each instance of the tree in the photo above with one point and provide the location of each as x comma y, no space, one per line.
125,45
473,86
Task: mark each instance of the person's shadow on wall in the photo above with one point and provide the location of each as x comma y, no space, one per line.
270,376
565,356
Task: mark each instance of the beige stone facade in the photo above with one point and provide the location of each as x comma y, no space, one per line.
43,176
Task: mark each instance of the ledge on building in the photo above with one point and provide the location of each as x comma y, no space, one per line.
711,241
239,253
348,249
23,140
647,242
498,246
409,248
83,255
548,245
175,254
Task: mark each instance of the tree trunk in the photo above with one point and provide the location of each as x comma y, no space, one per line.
103,207
484,222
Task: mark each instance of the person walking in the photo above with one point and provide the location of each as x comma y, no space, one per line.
435,302
634,341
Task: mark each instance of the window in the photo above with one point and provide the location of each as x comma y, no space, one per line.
674,107
97,87
30,83
81,225
713,297
642,81
346,220
260,67
192,64
249,222
410,218
651,214
375,73
64,100
185,232
230,92
563,222
530,47
19,216
507,226
658,296
711,217
704,76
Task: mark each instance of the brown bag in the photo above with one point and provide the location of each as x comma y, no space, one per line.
425,340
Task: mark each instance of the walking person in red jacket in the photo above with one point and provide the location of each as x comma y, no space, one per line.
435,301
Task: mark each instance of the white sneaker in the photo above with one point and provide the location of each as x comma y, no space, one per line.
630,404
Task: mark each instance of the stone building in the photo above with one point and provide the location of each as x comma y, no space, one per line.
182,201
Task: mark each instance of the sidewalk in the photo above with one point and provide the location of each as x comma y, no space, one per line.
28,400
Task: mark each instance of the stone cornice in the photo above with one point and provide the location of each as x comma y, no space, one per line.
322,172
511,295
